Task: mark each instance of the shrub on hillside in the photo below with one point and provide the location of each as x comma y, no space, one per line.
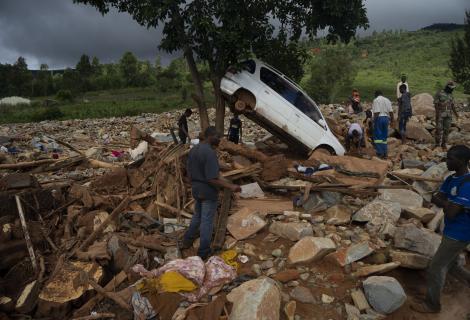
64,95
48,113
330,71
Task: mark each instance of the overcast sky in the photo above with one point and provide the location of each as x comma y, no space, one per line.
57,32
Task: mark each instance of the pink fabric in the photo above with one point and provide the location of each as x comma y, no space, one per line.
214,273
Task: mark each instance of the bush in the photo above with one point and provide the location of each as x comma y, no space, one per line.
330,71
64,95
49,113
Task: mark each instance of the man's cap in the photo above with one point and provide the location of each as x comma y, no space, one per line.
451,84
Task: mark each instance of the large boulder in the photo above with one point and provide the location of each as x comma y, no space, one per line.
423,104
381,217
425,188
416,131
258,299
415,239
310,249
406,198
293,231
385,294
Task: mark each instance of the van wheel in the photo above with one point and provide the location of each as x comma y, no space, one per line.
245,101
240,106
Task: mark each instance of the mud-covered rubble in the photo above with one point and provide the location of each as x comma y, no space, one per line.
104,228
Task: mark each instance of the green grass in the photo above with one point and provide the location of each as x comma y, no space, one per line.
422,55
100,104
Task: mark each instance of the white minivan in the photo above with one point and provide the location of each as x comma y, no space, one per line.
276,103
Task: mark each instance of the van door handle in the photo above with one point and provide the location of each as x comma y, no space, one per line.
297,115
267,92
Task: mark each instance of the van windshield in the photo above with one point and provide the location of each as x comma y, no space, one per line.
291,94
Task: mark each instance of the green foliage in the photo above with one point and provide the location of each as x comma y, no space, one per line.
330,71
47,113
459,61
64,95
129,69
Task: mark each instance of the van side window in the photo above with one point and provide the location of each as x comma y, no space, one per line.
278,84
307,107
249,65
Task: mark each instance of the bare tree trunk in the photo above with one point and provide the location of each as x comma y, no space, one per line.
198,85
219,106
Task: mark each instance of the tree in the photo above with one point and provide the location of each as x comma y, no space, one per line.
459,61
84,71
330,71
20,78
129,68
222,32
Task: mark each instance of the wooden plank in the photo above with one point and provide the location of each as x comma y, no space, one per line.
360,300
221,220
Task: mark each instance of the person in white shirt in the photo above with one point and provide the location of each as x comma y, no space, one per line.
403,81
383,117
355,138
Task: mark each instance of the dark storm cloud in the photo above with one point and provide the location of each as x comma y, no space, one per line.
57,32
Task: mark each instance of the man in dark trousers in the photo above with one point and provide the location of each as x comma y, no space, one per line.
183,132
203,171
404,111
235,130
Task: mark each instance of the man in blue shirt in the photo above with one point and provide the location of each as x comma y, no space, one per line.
203,171
454,198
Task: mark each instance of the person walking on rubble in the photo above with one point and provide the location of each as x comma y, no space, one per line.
444,105
404,111
383,116
234,133
183,132
203,171
454,198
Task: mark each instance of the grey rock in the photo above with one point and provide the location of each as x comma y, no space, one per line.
302,294
385,294
416,239
293,231
406,198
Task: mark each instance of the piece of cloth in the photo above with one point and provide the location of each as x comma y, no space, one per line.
230,258
218,273
457,191
202,165
202,222
398,88
381,135
173,281
142,307
382,106
443,261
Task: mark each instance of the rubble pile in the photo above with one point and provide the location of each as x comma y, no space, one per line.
90,230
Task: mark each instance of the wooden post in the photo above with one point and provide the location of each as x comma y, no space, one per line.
29,243
221,220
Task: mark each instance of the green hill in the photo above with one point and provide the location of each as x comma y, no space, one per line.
421,55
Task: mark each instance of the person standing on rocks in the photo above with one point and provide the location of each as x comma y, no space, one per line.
234,133
203,171
183,132
383,116
404,111
399,84
355,102
444,104
454,198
